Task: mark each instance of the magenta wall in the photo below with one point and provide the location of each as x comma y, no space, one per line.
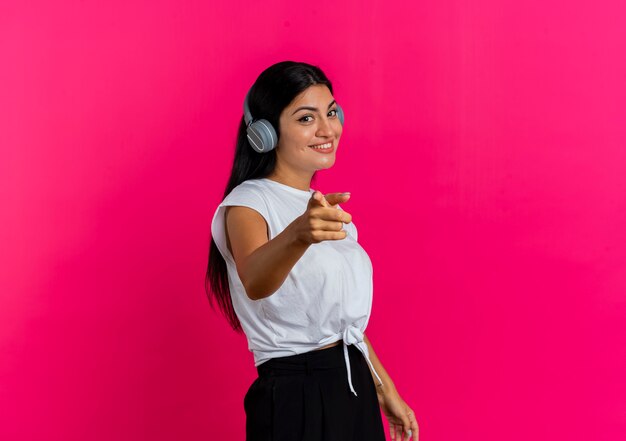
485,149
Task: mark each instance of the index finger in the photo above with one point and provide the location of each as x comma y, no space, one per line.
335,198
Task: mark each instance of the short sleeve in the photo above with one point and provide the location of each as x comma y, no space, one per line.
243,197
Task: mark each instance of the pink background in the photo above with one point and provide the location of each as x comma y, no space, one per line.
485,149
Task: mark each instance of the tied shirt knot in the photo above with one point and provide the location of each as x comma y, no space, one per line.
353,336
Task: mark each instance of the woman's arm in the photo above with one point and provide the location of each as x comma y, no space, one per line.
262,264
401,418
388,386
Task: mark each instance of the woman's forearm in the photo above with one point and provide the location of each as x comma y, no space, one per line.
388,386
266,269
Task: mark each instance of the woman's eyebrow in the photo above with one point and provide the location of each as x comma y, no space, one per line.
311,108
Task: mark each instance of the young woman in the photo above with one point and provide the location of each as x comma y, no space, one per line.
285,267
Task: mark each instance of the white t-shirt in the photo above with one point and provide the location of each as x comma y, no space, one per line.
326,297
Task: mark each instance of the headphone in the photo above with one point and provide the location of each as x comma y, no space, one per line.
261,135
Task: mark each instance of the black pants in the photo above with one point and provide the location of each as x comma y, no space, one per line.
306,397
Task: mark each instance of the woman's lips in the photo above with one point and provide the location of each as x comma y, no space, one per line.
327,150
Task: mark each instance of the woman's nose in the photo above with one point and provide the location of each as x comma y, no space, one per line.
324,128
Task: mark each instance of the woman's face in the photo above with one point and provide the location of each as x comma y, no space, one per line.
309,120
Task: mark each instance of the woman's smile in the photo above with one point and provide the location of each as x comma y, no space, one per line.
323,148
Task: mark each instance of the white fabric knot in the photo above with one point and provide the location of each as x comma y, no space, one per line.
353,336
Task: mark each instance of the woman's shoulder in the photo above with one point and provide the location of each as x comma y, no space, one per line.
248,187
249,194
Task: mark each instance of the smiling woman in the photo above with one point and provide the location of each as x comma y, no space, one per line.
309,136
286,268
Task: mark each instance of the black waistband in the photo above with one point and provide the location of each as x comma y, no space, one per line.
320,359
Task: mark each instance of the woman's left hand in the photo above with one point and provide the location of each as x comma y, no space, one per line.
401,418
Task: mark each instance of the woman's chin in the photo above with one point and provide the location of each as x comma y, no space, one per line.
327,161
325,166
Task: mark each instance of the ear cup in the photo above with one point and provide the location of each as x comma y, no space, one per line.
262,136
340,114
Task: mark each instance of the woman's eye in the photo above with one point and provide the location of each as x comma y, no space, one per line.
334,110
303,118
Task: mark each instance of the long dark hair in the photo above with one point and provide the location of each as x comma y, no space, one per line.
273,90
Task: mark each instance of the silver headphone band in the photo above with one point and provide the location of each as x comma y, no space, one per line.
247,116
